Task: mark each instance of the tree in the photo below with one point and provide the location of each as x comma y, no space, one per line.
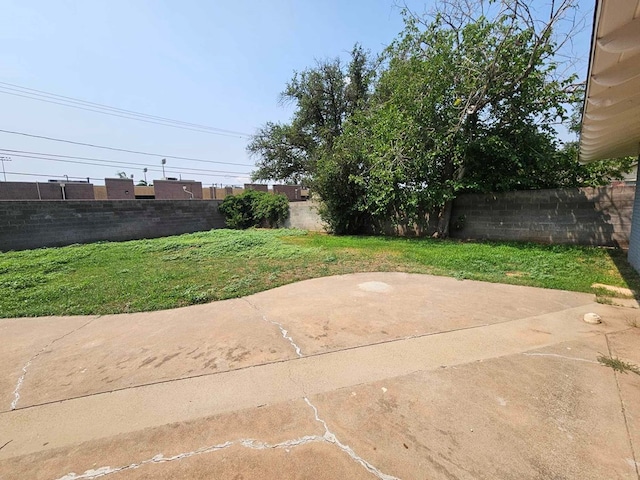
325,96
466,97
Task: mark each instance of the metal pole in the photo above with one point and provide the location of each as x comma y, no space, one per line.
4,159
164,160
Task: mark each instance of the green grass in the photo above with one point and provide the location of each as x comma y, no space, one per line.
618,365
196,268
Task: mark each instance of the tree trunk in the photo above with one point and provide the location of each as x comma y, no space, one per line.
444,219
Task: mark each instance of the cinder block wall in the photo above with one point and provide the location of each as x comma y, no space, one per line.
582,216
634,240
34,224
304,215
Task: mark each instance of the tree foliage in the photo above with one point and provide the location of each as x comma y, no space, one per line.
252,208
324,96
465,99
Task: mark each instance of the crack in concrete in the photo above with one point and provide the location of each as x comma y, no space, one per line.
624,414
555,355
16,391
283,331
251,443
330,437
160,458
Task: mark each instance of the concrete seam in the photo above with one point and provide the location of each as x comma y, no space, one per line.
624,412
16,391
319,354
555,355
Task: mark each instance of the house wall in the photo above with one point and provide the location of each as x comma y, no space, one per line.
173,189
120,188
45,191
292,192
35,224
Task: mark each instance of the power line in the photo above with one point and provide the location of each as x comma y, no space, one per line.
42,96
20,88
136,152
26,154
54,176
149,169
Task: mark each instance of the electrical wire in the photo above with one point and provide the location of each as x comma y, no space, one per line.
26,154
20,88
71,102
53,176
115,149
150,169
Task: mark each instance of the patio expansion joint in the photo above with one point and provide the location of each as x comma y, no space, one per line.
634,458
250,443
16,391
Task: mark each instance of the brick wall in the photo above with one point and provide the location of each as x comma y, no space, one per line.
583,216
34,224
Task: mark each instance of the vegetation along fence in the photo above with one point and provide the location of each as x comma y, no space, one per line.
582,216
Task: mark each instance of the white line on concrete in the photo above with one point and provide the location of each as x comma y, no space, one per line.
555,355
283,331
16,391
246,443
330,437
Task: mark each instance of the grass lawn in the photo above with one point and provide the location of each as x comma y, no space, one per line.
195,268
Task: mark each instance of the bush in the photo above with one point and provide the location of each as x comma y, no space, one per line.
255,209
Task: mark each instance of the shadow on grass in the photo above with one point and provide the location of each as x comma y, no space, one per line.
627,272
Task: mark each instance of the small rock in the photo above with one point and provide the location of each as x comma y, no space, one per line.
384,390
592,318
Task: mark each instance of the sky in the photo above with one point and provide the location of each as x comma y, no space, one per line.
205,62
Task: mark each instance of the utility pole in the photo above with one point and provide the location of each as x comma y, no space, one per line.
164,161
4,159
144,170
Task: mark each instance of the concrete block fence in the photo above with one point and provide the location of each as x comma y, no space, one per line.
581,216
34,224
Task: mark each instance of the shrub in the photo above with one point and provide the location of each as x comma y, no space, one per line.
252,208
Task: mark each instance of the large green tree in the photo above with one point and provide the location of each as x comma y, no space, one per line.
324,97
467,99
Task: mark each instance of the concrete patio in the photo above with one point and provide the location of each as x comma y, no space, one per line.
378,375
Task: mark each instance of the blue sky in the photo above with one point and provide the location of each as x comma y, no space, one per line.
220,64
